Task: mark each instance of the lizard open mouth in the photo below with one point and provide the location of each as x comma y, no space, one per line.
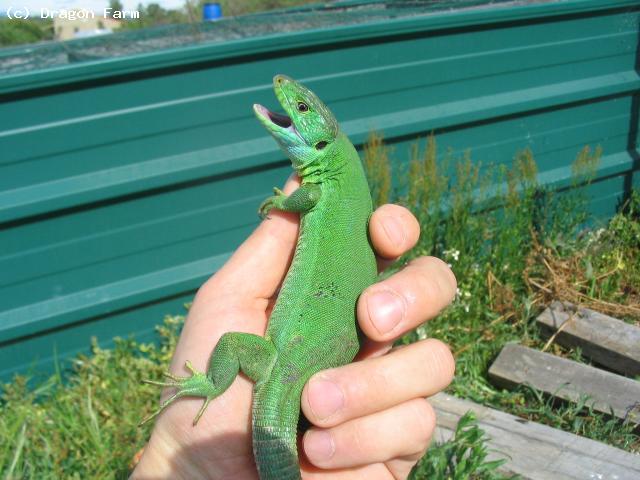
271,119
281,120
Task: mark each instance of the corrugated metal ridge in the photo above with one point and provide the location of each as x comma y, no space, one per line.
500,61
69,191
294,40
66,192
122,294
42,260
88,303
497,105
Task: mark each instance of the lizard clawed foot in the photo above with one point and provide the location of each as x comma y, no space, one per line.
274,201
196,385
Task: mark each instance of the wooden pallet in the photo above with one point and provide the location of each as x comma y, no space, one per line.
535,451
605,340
566,379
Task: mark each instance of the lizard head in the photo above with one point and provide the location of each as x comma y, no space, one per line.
307,130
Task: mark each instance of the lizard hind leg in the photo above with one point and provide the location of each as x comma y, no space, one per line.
252,354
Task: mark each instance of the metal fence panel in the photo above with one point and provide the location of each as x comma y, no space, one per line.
125,182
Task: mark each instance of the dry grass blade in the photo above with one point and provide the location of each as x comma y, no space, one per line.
567,279
557,332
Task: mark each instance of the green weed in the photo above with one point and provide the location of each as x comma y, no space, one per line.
84,426
461,458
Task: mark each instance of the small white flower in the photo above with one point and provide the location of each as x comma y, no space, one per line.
453,253
422,332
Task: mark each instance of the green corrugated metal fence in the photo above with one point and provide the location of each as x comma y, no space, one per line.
125,182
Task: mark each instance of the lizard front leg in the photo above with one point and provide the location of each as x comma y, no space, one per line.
252,354
302,200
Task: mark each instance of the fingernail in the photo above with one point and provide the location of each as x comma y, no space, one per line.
318,445
385,310
325,397
393,229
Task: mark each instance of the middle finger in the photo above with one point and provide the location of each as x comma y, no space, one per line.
390,308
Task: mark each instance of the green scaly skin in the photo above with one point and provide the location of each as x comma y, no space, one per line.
312,326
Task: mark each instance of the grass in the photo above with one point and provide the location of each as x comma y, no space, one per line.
513,246
86,424
463,457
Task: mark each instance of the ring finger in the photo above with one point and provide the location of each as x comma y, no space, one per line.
337,395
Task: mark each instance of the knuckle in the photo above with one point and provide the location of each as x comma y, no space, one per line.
424,423
380,381
446,278
431,290
437,278
361,440
442,357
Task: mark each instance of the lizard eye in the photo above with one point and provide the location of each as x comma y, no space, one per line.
321,145
303,107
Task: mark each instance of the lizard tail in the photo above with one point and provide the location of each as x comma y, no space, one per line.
275,431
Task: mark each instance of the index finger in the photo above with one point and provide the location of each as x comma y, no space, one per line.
257,267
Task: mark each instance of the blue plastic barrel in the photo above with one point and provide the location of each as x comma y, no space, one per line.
211,12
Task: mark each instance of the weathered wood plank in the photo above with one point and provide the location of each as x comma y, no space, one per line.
535,451
604,339
567,379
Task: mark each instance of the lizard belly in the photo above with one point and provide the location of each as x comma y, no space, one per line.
313,323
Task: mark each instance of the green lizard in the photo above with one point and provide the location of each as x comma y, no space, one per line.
312,326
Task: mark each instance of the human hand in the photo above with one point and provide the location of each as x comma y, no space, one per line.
380,425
